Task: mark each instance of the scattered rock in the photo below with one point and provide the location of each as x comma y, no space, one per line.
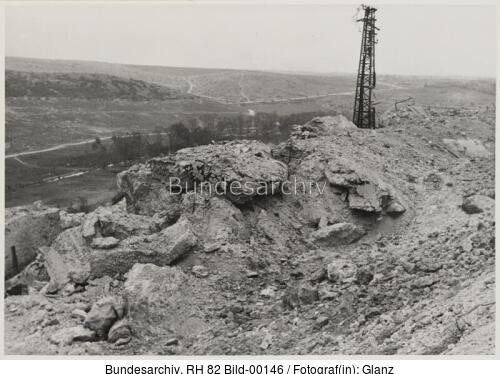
318,276
66,260
104,313
120,331
172,341
477,204
266,341
364,277
307,293
211,247
69,220
341,271
395,209
106,221
320,322
78,313
69,335
339,233
268,292
200,271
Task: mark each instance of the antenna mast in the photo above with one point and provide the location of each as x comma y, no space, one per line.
364,111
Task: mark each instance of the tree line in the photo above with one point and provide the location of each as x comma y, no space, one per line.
204,129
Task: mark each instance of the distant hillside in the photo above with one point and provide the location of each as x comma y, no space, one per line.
84,86
223,85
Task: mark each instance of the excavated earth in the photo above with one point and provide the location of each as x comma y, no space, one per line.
338,241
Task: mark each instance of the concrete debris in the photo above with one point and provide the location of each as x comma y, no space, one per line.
120,331
385,245
104,313
341,271
66,259
104,221
26,229
245,166
337,234
73,334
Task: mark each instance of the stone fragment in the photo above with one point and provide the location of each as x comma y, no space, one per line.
321,321
337,234
307,293
66,260
395,209
119,331
79,314
200,271
69,220
341,271
104,313
164,294
69,335
477,204
105,243
26,229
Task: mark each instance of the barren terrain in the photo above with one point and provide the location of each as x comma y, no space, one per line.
395,255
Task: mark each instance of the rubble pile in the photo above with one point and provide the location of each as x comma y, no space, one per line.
338,241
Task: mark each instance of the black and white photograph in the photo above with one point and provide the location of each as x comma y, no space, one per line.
249,179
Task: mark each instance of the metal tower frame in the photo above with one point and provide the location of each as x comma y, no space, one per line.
364,112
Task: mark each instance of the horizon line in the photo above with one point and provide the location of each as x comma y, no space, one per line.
276,71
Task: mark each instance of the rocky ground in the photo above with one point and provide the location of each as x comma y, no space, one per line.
391,251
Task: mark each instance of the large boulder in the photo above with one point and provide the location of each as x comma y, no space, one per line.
238,170
26,229
164,295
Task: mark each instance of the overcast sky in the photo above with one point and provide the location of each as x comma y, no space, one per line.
421,40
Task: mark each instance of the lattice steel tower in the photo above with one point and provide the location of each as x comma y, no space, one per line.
364,112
